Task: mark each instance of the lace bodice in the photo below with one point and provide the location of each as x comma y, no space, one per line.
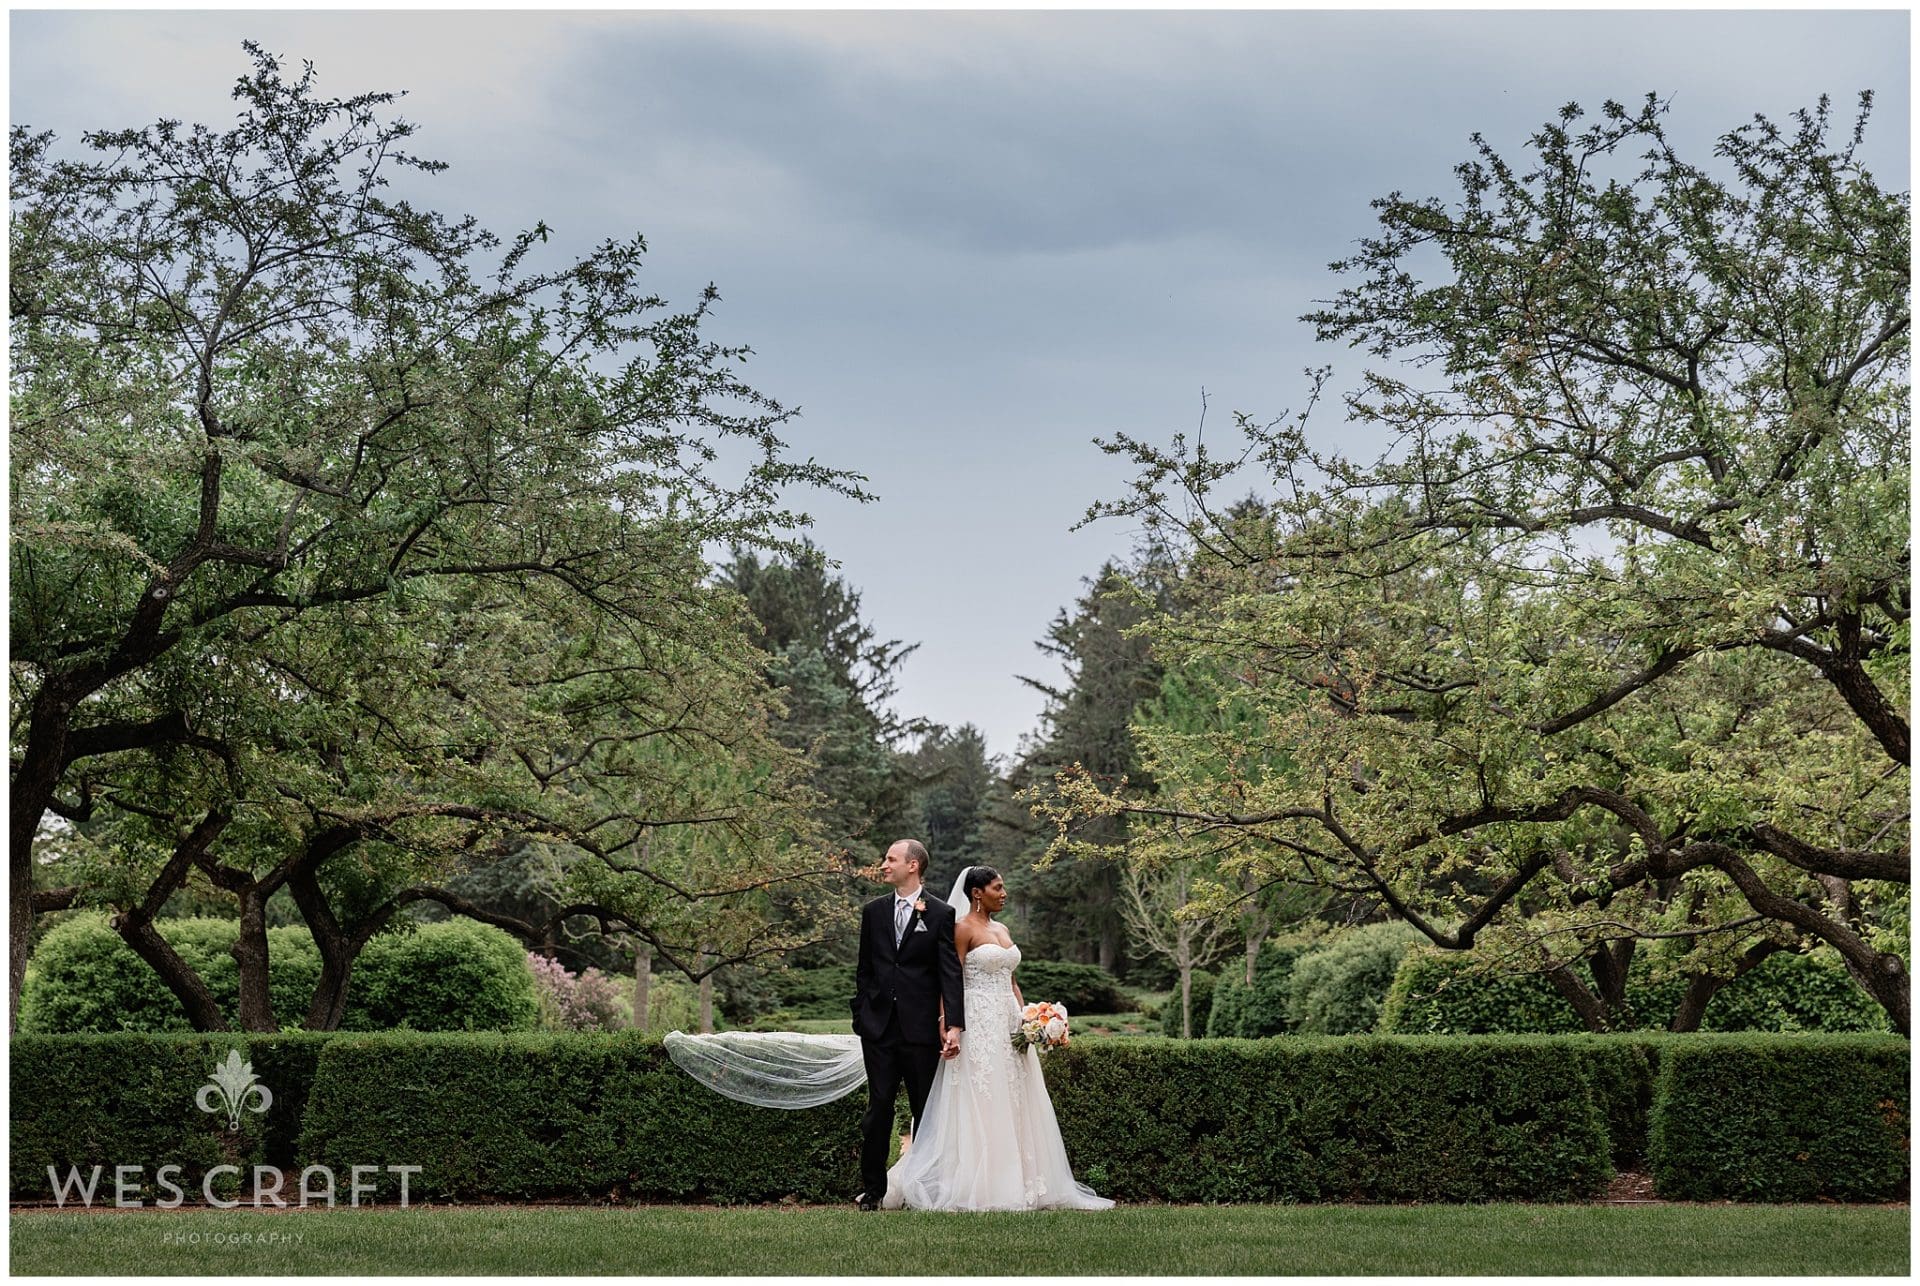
991,958
987,975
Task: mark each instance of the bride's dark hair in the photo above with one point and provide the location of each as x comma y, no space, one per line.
978,877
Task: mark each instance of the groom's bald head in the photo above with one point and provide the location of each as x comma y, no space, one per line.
913,851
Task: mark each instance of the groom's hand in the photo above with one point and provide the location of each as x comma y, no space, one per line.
950,1043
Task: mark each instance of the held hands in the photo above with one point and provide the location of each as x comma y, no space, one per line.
950,1042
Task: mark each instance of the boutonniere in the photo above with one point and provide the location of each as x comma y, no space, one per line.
920,904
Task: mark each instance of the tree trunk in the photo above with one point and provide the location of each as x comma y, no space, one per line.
642,984
250,953
31,792
203,1011
1186,999
337,952
1702,988
706,995
1258,922
1592,1012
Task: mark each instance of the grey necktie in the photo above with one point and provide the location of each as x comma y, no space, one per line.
901,910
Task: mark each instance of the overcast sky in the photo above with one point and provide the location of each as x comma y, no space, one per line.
966,244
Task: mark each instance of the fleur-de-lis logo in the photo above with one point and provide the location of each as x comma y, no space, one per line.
233,1084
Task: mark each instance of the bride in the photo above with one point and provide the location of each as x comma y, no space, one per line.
987,1138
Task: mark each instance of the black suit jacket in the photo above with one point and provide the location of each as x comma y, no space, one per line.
910,981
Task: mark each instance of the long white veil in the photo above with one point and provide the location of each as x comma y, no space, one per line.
781,1069
771,1068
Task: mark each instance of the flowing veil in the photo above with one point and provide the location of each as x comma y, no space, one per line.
781,1069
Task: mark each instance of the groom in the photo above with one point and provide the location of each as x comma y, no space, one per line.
907,969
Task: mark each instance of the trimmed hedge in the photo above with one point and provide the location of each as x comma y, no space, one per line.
1287,1119
454,975
1440,993
1753,1118
128,1099
1314,1119
585,1114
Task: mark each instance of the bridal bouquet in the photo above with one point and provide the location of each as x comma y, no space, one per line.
1043,1025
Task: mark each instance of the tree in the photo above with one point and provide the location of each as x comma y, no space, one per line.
1158,901
955,788
253,396
1612,647
1074,907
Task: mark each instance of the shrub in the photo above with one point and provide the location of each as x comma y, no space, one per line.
1751,1117
1446,993
1317,1119
1082,988
1438,992
85,978
673,1004
1792,992
815,993
565,1114
1337,987
587,1001
1259,1010
1295,1118
456,975
448,976
128,1099
1203,985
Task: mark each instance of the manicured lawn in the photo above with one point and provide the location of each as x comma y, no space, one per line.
1172,1240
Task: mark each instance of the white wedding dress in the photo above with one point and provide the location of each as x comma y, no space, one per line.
988,1138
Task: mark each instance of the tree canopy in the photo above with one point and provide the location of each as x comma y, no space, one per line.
342,526
1610,647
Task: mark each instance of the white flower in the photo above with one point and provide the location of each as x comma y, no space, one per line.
1056,1028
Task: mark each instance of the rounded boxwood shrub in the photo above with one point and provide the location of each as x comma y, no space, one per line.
1337,988
1259,1010
1442,992
85,978
451,976
1436,991
456,975
1204,982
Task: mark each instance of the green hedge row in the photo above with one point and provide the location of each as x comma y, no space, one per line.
1751,1118
451,976
1441,993
1289,1119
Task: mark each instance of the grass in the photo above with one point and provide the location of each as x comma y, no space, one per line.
1164,1240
